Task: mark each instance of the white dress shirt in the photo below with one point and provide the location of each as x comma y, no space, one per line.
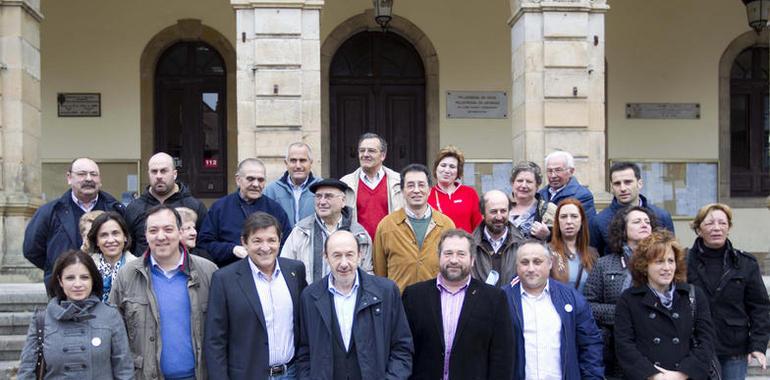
278,309
345,306
372,184
542,336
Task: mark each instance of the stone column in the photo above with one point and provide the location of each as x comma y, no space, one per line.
558,95
279,79
19,133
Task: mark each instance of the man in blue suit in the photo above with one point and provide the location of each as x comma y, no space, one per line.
252,327
562,184
555,333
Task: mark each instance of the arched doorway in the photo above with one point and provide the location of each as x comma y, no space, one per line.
376,84
190,115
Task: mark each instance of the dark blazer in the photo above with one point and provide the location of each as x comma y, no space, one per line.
600,225
380,331
483,346
235,342
647,334
740,309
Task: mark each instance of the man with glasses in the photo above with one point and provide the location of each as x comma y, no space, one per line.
406,240
220,233
54,227
376,188
306,241
562,184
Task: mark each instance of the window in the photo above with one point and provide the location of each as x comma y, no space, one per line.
749,127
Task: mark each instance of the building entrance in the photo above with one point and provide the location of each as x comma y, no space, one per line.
376,84
190,116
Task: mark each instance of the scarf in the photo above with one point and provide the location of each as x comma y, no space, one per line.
524,221
109,273
666,298
76,311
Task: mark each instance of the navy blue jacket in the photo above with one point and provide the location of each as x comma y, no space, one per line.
53,230
573,189
235,343
280,192
221,230
380,331
600,224
581,341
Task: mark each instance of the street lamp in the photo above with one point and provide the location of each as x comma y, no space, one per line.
383,12
756,11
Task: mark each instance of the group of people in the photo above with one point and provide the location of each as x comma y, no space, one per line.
388,275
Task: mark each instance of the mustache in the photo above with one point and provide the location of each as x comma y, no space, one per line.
88,184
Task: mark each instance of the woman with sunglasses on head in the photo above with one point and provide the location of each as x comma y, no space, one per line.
83,338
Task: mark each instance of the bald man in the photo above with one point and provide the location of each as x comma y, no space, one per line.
54,227
163,189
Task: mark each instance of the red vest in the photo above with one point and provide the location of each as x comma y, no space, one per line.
372,205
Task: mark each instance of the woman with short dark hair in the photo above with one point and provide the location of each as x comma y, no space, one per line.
663,326
531,215
610,276
109,239
83,337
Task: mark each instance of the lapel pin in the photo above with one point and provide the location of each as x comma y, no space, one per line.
293,275
568,308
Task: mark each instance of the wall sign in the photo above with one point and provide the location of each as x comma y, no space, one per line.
662,110
476,105
73,104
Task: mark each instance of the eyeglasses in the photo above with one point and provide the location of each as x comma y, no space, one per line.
326,196
84,174
556,170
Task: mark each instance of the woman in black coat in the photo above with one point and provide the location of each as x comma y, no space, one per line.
659,334
610,275
733,285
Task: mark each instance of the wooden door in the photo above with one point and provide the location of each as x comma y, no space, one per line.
377,84
190,122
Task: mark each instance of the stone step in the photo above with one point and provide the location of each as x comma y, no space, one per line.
22,297
8,369
11,346
14,322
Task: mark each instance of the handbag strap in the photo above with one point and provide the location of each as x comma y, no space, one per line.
39,317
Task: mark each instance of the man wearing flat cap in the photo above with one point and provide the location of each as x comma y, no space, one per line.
306,241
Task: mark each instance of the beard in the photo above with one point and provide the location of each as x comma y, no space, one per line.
455,275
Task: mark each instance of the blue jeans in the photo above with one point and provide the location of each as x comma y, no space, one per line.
290,374
733,367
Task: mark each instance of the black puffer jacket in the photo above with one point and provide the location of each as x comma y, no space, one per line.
135,213
739,304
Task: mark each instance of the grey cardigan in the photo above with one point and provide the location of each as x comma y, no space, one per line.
91,345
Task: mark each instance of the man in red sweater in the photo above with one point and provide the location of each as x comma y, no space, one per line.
376,188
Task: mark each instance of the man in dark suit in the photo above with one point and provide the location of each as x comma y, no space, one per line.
353,323
252,328
461,326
